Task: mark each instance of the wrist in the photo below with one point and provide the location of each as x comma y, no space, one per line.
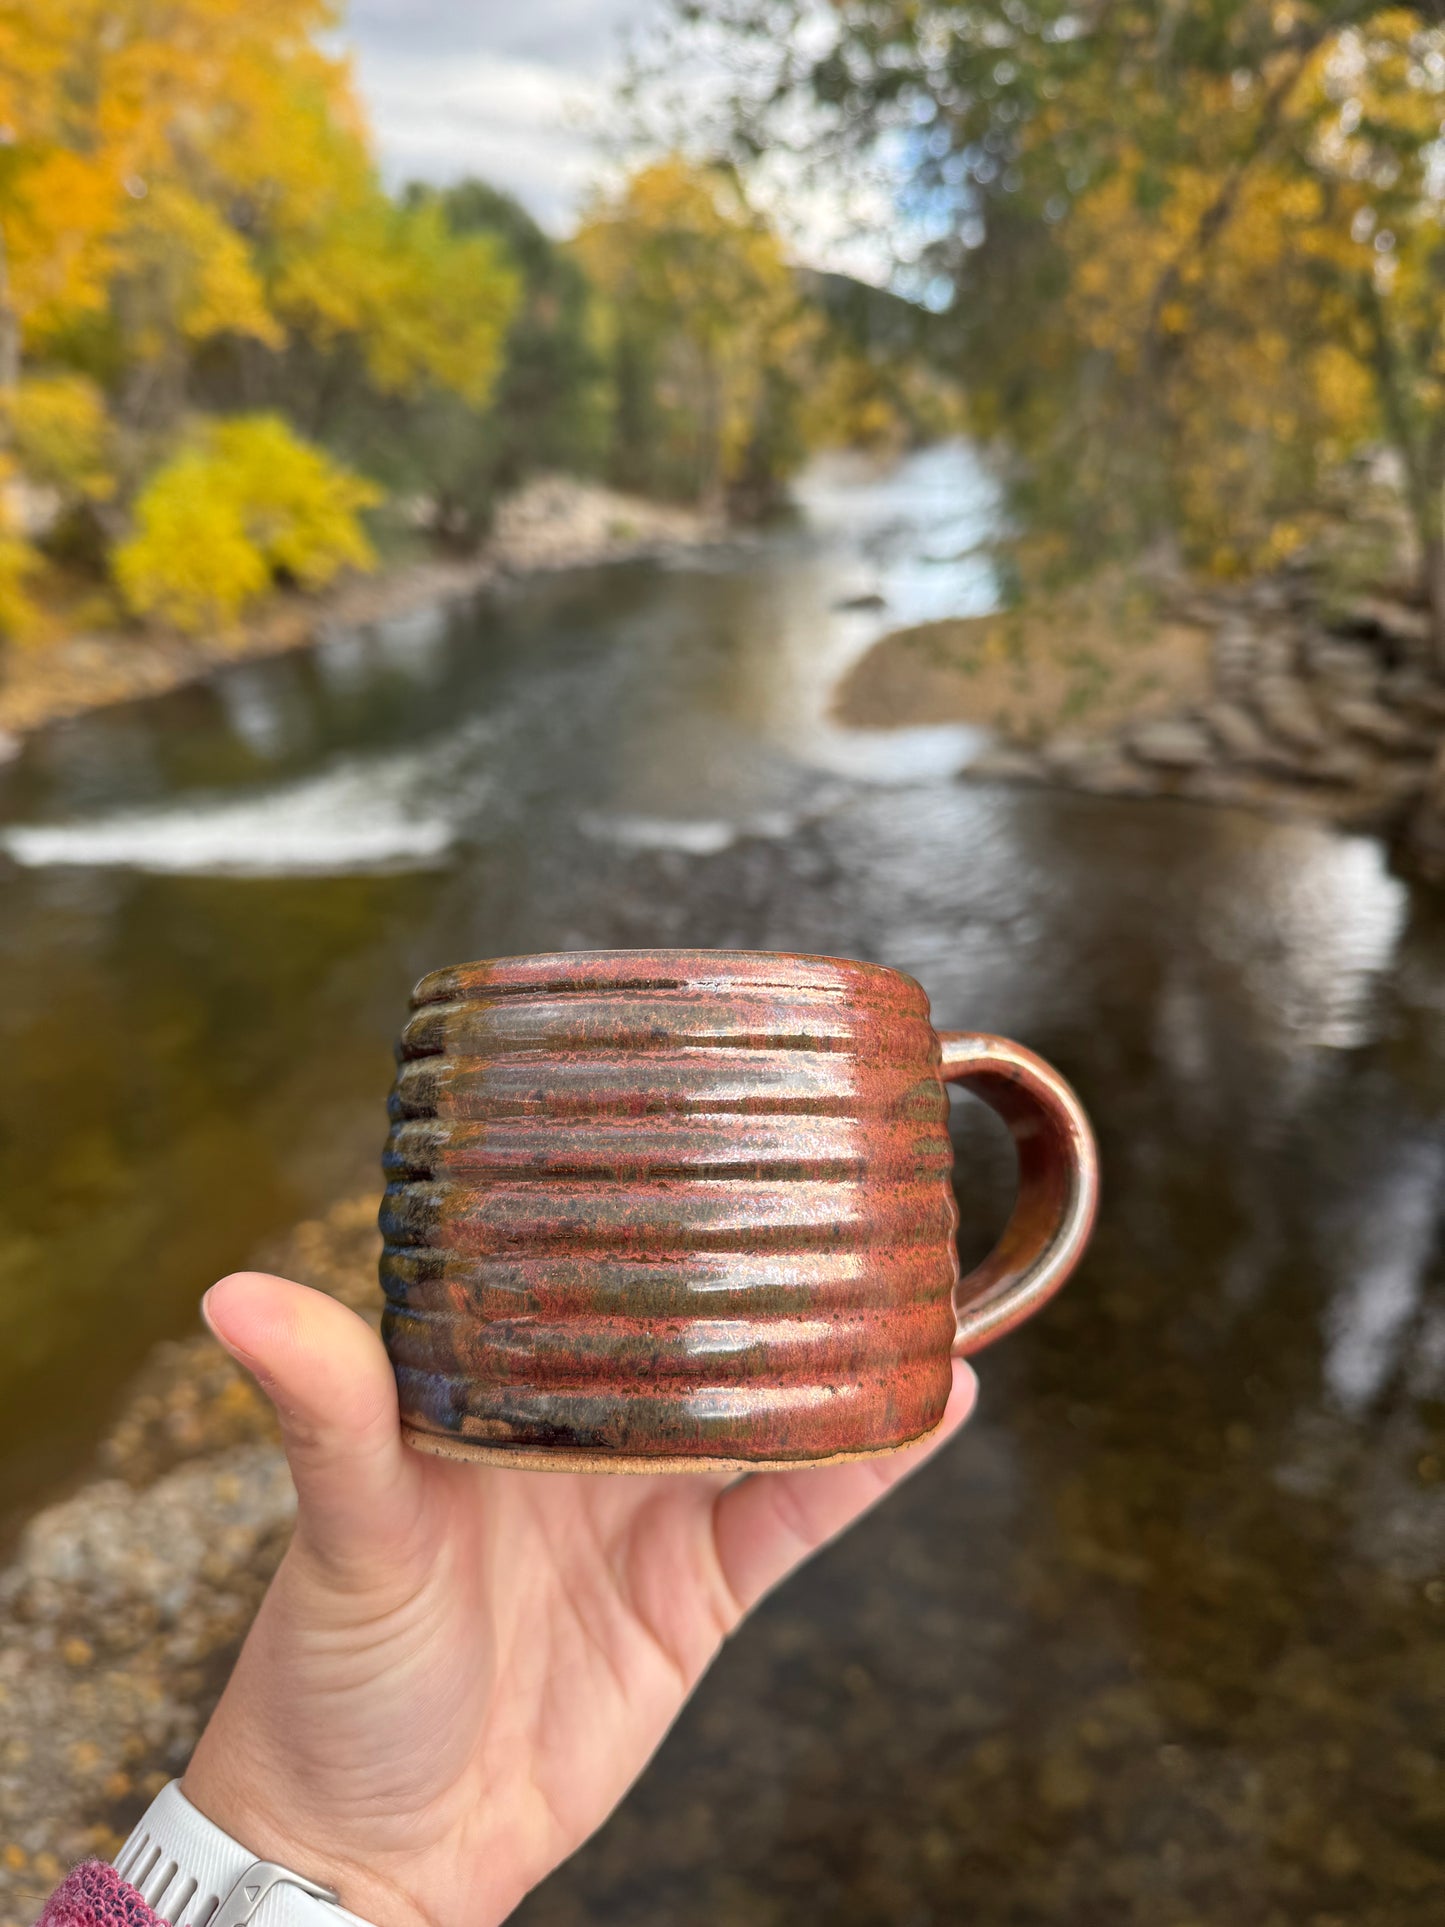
191,1872
229,1802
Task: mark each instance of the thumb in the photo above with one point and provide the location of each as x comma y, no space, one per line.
327,1374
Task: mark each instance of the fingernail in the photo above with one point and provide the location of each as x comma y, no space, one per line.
210,1324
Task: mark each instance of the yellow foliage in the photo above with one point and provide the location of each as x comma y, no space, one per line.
425,305
197,272
18,563
1269,273
699,290
207,162
853,400
247,503
62,435
102,113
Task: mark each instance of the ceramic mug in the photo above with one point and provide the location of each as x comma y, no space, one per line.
691,1209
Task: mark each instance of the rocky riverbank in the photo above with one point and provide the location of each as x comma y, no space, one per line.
1264,695
123,1605
556,522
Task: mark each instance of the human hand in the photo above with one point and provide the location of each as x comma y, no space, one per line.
459,1670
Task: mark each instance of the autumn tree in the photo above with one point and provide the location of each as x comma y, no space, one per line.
190,217
1195,254
121,120
453,458
709,337
196,170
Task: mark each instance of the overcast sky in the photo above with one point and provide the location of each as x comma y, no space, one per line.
509,90
498,88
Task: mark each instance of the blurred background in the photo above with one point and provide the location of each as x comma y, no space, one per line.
958,486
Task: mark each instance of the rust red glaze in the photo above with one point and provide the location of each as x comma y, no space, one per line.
692,1206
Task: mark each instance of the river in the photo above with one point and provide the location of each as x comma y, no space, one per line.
1162,1640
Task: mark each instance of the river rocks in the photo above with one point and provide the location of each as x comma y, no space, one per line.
1236,730
1109,772
1338,720
1177,745
1288,712
141,1556
560,522
121,1612
1406,630
1385,728
1347,666
1066,755
1336,766
1235,656
1418,696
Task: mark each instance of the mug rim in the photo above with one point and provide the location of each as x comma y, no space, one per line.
559,972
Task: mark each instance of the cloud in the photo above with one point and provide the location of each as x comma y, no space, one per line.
505,93
514,92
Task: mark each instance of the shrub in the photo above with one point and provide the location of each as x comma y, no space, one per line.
18,563
17,613
62,436
248,504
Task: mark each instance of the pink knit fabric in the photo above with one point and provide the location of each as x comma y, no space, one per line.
94,1895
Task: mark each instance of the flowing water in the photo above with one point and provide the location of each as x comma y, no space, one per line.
1162,1640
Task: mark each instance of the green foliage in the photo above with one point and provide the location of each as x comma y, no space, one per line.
548,410
247,505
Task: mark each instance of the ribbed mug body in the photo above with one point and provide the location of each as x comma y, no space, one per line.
672,1206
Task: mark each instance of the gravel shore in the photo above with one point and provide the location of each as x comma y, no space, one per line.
125,1603
555,522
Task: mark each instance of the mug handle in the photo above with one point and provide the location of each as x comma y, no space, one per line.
1058,1193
